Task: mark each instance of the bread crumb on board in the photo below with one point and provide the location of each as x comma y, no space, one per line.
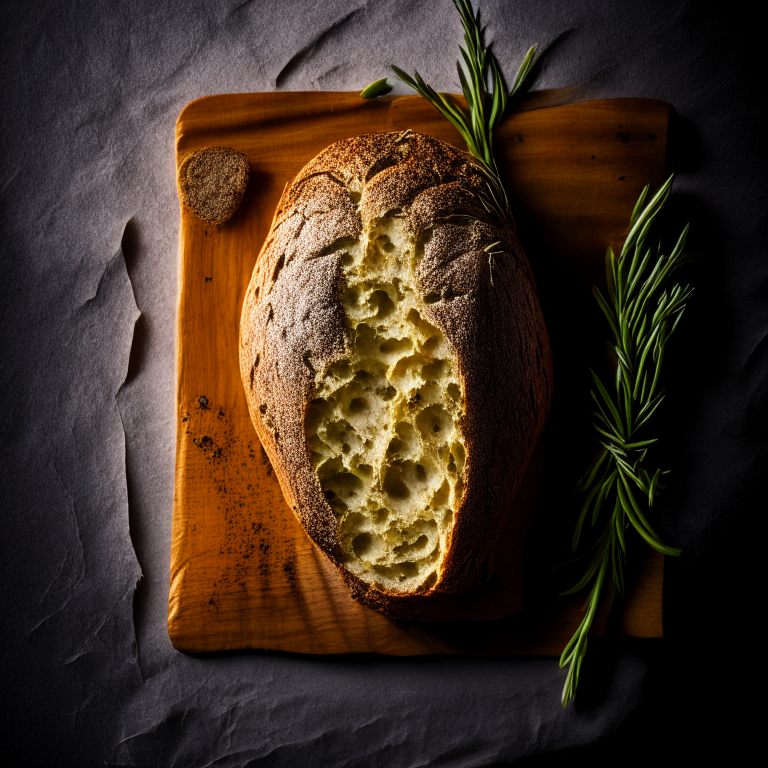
212,182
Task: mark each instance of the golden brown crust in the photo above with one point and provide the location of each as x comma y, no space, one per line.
293,325
212,182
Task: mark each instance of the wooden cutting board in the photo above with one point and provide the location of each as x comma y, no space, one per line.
243,573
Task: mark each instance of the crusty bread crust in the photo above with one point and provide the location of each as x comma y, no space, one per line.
293,325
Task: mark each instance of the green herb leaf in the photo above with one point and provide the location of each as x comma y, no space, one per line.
523,72
376,88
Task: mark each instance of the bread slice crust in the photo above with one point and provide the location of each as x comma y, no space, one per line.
294,328
212,182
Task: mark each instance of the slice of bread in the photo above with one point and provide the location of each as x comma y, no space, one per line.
397,389
212,182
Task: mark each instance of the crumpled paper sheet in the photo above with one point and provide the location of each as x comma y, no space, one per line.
89,217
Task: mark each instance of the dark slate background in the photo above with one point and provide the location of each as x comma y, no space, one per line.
88,214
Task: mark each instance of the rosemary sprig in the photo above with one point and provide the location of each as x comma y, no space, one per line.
642,314
486,108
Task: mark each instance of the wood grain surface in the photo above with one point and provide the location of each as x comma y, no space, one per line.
243,573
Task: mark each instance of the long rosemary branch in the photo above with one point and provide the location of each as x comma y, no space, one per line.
642,314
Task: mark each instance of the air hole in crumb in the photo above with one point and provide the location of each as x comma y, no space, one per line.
362,544
349,297
433,370
394,486
442,495
341,370
458,452
435,420
395,346
381,302
345,485
429,345
386,394
406,548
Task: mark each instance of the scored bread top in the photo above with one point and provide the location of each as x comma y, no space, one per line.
364,204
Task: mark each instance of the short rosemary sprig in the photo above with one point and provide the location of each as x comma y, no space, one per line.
485,108
642,314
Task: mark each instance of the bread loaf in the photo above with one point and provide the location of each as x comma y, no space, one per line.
397,385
